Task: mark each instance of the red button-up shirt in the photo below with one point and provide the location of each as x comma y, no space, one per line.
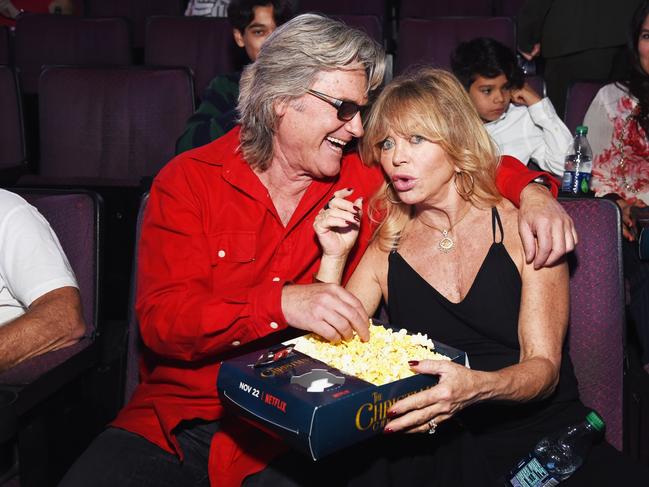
29,6
213,259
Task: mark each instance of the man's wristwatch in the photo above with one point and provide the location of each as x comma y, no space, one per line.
543,180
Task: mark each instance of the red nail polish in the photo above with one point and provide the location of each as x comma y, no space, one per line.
388,431
357,218
392,414
412,363
356,209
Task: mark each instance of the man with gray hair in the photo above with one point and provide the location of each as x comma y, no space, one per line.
228,252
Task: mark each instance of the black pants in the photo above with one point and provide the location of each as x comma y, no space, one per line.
452,457
120,458
560,72
636,272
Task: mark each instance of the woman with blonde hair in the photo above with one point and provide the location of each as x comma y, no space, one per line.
448,261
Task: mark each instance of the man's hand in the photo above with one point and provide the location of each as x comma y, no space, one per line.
536,50
629,226
546,230
327,310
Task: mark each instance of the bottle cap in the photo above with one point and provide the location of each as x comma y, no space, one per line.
595,420
581,130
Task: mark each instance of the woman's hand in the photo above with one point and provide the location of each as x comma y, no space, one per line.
455,390
337,224
629,228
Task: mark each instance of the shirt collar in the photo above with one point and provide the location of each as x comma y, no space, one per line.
238,173
502,117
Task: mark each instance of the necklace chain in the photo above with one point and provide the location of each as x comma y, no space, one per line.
446,244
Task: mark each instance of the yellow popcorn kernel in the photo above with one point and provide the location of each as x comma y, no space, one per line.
382,360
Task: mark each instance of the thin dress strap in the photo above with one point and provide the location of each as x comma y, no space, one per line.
495,218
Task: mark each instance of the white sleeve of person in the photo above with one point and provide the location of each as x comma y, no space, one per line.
32,262
551,152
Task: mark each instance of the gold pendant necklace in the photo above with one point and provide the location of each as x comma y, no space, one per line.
446,243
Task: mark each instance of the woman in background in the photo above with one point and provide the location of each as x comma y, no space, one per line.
449,262
618,122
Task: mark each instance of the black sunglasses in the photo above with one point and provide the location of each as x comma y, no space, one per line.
346,110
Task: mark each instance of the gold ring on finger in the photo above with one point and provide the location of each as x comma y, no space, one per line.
432,427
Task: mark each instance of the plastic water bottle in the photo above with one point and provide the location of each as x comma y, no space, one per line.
556,457
579,165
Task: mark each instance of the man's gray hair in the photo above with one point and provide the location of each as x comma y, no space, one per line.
287,66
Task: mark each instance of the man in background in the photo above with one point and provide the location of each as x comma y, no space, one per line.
252,22
40,306
578,39
207,8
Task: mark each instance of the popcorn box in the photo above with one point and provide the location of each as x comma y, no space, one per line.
316,408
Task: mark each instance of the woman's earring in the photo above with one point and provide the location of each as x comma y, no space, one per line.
462,187
389,189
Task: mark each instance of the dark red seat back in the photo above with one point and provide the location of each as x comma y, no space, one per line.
66,40
426,9
537,83
579,97
369,24
134,348
120,123
204,44
135,11
345,7
596,336
4,44
12,137
432,41
509,8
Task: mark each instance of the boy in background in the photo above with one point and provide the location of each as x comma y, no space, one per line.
252,22
521,123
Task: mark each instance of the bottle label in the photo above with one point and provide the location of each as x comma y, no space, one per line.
583,182
575,183
567,181
530,473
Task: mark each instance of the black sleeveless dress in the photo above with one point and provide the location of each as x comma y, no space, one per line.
479,446
485,440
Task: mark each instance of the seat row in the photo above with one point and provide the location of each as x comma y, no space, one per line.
110,126
118,125
596,337
205,44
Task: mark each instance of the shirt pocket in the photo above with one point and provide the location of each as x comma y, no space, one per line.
232,257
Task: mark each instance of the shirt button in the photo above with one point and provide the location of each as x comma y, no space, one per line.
236,343
274,325
275,279
221,253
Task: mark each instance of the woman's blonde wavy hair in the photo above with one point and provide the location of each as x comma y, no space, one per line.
286,67
433,104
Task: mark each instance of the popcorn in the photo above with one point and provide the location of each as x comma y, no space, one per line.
382,360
